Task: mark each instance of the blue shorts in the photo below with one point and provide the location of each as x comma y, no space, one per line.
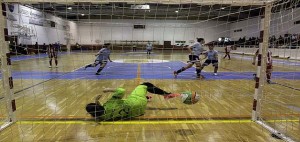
97,62
208,61
193,58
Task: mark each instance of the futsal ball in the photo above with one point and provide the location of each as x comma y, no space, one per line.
190,98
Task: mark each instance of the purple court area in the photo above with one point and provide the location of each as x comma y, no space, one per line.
147,71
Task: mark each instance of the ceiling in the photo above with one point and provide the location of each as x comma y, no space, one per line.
156,11
160,10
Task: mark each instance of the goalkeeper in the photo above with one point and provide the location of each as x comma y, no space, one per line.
117,108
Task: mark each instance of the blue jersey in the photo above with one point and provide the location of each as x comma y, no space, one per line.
103,54
149,46
212,55
197,49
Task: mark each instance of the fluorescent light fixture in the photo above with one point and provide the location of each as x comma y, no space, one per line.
176,11
82,14
223,8
70,8
143,7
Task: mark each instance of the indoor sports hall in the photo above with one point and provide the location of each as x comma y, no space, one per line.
229,70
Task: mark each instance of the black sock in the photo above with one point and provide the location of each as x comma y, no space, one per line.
90,65
155,90
198,71
180,70
99,70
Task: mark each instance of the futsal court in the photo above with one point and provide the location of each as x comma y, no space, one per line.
48,104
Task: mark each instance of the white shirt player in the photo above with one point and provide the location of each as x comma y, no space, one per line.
212,55
103,54
149,46
197,49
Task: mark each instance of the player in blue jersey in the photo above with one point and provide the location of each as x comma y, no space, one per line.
212,58
103,56
149,48
195,50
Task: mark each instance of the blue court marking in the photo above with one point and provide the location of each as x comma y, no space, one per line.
165,71
111,71
36,75
148,71
27,57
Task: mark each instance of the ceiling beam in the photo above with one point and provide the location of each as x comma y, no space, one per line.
202,2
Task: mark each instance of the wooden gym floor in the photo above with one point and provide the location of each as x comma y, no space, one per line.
50,101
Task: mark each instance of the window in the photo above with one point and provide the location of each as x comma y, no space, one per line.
297,22
238,30
139,26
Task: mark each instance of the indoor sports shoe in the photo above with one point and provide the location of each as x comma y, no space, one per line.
215,74
200,77
175,74
97,73
50,66
270,82
254,76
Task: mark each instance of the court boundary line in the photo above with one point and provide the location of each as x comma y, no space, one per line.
149,118
143,122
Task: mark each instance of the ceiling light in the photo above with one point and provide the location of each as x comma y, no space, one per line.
223,8
176,11
145,7
82,14
70,8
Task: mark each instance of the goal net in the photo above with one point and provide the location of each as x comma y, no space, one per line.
254,75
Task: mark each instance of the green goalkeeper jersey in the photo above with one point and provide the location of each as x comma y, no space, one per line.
117,108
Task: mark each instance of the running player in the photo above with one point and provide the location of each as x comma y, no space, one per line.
195,50
269,65
227,51
134,105
102,57
52,52
212,57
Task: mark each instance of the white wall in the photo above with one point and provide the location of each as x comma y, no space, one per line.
172,30
250,28
21,15
158,30
283,22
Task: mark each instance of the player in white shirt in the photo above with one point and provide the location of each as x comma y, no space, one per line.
102,57
212,57
149,48
194,57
